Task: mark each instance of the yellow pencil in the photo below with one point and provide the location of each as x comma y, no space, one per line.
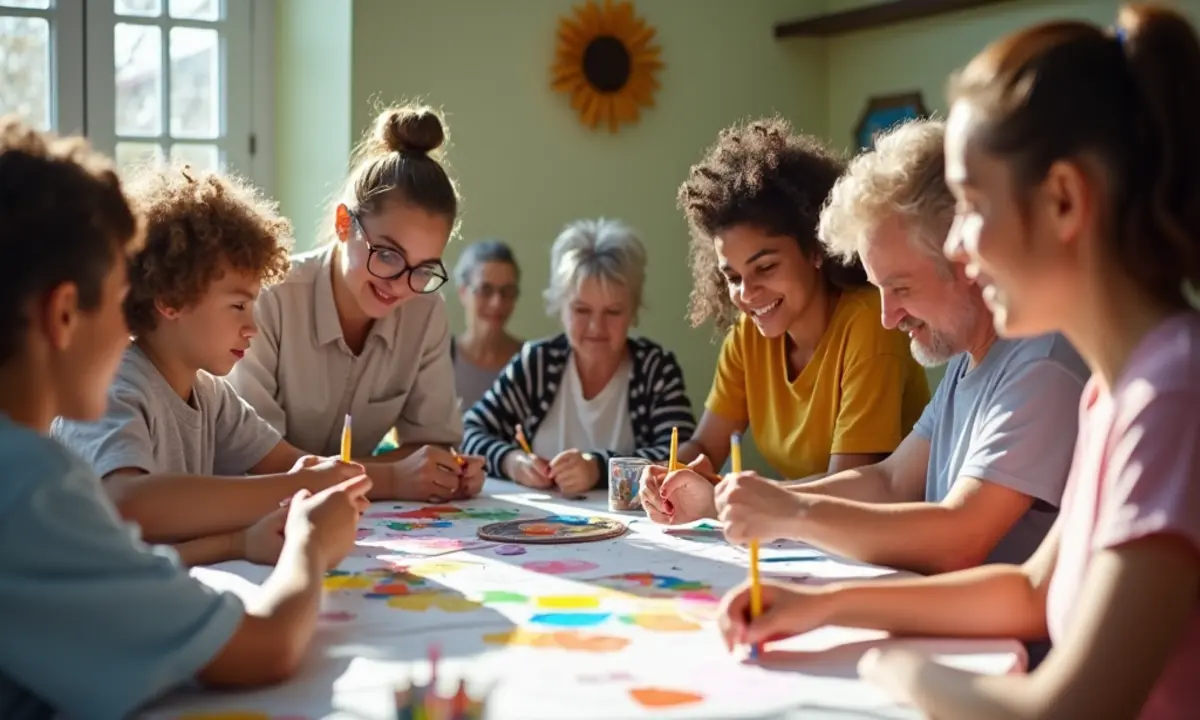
735,452
346,440
673,463
523,441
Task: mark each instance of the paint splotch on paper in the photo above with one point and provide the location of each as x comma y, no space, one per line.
561,640
570,619
559,567
652,697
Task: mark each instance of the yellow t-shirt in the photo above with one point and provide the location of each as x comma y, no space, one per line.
861,393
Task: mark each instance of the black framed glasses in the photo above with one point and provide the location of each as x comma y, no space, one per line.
387,263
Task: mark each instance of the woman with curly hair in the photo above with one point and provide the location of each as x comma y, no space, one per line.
358,327
805,364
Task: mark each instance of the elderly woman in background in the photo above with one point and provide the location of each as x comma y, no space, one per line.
488,280
592,392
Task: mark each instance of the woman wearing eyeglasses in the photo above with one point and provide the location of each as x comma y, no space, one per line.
488,280
358,328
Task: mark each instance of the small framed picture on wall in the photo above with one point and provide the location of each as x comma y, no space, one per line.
884,112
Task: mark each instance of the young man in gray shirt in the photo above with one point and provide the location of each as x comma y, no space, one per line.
981,476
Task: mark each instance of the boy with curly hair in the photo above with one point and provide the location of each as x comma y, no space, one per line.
176,441
94,623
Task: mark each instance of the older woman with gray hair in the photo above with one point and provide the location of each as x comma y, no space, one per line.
592,392
488,281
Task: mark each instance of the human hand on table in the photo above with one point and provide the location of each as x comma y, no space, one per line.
471,477
431,474
318,473
679,497
787,610
574,472
528,470
262,542
328,519
896,670
752,507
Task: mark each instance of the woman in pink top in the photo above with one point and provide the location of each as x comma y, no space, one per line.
1073,155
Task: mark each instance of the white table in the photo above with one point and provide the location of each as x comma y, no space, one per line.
602,649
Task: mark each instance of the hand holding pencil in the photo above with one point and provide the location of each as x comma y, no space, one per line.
526,468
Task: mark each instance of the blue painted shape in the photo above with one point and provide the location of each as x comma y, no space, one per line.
567,619
795,558
569,519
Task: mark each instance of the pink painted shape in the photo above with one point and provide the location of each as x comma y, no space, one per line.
559,567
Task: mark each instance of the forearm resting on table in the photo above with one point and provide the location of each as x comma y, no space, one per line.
174,508
275,632
935,538
986,601
865,484
210,549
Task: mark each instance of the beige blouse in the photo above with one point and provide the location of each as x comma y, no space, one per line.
303,379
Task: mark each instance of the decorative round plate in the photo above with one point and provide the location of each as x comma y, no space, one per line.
553,530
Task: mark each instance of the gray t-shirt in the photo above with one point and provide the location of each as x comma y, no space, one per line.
93,622
149,427
1011,420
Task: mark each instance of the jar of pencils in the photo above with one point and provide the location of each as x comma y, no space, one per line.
624,474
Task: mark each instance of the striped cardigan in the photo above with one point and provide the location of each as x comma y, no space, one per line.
523,392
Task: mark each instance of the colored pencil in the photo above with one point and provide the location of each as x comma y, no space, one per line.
673,463
458,458
735,453
522,440
346,440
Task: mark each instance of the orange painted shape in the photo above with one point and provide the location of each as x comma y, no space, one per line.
564,640
652,697
662,622
540,529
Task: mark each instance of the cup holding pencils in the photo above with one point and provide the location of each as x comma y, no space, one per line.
425,701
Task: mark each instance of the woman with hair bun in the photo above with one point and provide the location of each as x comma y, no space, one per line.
358,328
1073,157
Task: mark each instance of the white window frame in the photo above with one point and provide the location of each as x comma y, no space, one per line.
65,67
83,94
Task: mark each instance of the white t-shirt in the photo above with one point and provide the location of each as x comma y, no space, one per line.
573,422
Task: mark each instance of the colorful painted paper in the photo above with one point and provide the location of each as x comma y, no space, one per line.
616,630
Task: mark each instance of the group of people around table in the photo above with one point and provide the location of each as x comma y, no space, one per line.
1039,242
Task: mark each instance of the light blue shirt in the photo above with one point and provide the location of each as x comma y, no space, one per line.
1010,420
93,622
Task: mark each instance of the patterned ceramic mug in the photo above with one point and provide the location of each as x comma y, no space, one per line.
623,487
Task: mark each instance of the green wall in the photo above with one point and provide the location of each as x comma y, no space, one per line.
313,107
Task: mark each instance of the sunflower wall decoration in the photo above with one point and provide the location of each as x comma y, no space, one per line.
606,60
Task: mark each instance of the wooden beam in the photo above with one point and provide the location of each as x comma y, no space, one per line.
873,16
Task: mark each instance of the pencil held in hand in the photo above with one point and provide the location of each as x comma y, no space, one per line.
346,440
523,441
673,462
735,457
